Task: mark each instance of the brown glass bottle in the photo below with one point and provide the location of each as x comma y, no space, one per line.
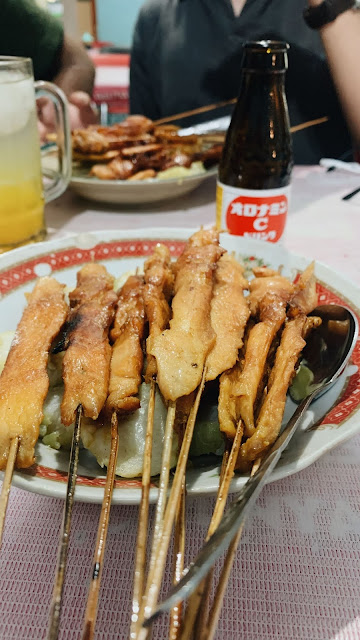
255,169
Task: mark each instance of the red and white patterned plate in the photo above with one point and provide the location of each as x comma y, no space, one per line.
124,251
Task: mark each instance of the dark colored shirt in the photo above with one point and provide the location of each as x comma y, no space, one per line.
188,53
26,30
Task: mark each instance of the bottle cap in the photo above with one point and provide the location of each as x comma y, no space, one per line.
265,56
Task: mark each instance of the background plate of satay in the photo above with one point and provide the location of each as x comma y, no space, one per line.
137,161
151,307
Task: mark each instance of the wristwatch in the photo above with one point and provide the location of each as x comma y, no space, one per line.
316,17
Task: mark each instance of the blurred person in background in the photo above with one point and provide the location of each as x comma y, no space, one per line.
29,31
188,53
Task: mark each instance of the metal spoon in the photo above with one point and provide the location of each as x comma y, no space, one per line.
326,354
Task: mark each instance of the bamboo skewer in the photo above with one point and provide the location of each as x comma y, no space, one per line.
5,489
140,557
156,571
226,481
199,598
194,112
162,496
225,103
194,604
214,137
179,551
208,631
55,607
308,124
164,481
93,596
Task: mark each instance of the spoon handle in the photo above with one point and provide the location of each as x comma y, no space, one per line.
233,519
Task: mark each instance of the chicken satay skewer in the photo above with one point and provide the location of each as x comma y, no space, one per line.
229,414
303,300
158,289
125,377
206,238
21,405
180,354
229,316
209,630
86,370
269,294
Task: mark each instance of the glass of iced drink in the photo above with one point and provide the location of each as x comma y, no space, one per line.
22,193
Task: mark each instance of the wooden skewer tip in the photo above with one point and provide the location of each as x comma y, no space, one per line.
6,486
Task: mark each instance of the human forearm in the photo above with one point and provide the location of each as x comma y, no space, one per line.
76,71
75,77
341,40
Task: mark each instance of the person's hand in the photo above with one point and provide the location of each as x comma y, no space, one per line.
81,110
81,113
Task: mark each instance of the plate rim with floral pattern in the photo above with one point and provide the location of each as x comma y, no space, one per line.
19,269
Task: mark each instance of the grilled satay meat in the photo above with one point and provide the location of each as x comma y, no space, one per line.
143,175
148,147
269,294
90,158
229,315
267,285
143,149
228,410
210,156
272,409
24,381
127,355
89,141
181,351
97,139
136,125
117,169
159,285
305,297
86,363
203,238
92,281
302,301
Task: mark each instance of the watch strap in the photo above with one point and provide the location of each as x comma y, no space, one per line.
326,12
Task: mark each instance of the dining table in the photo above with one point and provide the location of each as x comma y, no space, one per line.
296,574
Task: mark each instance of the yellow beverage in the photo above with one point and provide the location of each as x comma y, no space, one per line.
21,194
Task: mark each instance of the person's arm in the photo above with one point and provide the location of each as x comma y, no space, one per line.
75,69
75,76
341,40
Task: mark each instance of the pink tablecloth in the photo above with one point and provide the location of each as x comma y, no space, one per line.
297,571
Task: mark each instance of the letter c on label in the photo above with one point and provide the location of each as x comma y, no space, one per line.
261,224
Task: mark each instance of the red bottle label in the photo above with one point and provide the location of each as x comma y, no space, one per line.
257,214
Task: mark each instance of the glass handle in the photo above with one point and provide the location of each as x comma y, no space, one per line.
62,130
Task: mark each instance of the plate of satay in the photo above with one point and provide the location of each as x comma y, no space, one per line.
136,161
134,323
